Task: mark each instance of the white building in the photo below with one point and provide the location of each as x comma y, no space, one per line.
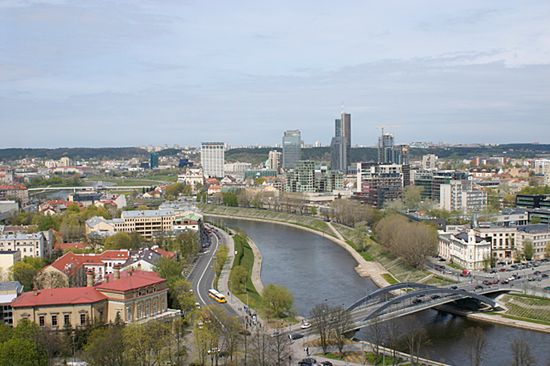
30,245
429,162
459,196
237,169
541,165
212,159
192,177
466,249
503,241
274,160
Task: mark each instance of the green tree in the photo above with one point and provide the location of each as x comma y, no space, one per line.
145,344
21,352
278,300
168,268
221,258
412,196
230,199
46,222
181,290
25,271
105,347
238,278
528,249
122,240
186,244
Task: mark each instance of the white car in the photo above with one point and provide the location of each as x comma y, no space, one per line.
305,325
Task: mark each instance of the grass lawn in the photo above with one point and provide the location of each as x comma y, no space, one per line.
391,280
245,257
527,308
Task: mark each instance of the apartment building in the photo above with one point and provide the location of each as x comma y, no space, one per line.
378,184
7,259
538,235
30,245
503,241
212,159
16,192
8,292
458,195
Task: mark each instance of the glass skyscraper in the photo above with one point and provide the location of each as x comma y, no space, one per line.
292,148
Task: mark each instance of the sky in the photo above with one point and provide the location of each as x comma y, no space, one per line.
129,73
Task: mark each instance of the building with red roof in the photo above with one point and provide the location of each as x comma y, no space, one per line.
132,296
16,192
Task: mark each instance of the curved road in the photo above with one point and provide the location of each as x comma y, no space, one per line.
202,276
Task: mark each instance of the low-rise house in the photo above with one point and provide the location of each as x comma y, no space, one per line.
9,291
130,297
466,249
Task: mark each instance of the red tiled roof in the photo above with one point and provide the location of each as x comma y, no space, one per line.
165,253
59,296
70,262
13,186
130,280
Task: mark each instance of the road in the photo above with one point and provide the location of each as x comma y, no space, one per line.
202,276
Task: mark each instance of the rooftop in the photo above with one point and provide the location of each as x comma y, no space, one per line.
59,296
11,286
130,280
21,236
534,228
147,213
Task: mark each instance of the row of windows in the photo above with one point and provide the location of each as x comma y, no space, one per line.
66,320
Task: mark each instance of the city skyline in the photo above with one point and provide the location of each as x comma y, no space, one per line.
140,73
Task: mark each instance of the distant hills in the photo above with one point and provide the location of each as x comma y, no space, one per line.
259,155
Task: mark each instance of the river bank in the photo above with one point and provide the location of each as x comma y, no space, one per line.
373,270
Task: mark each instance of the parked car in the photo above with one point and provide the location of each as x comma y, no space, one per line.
326,363
308,362
305,325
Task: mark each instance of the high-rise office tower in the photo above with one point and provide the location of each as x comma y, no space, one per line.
154,160
385,148
341,143
292,148
212,159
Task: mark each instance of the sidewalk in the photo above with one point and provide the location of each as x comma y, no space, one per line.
223,286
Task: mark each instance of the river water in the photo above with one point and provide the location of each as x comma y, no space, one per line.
316,270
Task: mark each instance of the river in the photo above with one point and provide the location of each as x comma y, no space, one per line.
316,270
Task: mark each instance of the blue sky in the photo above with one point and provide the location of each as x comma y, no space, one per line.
116,73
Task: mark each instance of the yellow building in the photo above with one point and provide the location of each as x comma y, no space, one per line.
130,296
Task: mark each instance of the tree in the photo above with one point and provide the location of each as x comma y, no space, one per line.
230,199
181,291
342,323
320,321
476,342
71,228
528,249
278,300
123,240
25,271
415,340
221,258
21,352
50,279
412,196
238,279
521,353
168,268
144,344
186,244
105,347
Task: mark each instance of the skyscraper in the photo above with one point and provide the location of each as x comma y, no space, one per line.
274,160
292,148
385,148
341,143
154,160
212,159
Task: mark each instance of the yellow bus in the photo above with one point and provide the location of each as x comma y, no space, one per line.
218,296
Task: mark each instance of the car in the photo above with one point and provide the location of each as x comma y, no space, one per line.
544,275
486,282
504,282
295,336
502,270
442,260
326,363
547,288
435,297
305,325
479,287
417,301
276,333
454,287
308,361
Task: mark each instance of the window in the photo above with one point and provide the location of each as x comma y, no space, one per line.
129,313
41,321
54,320
82,319
67,320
